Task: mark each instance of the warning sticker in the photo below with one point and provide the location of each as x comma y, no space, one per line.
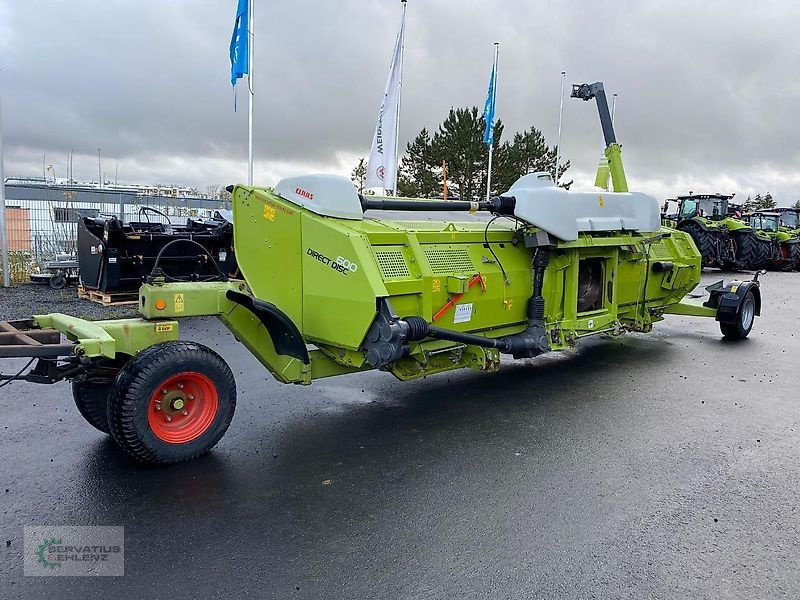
463,313
269,213
164,327
179,305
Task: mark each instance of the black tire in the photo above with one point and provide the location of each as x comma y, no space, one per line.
703,240
752,252
134,410
792,260
795,250
744,319
57,282
91,398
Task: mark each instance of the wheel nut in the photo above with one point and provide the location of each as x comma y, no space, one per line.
190,397
185,413
158,405
168,418
180,386
164,391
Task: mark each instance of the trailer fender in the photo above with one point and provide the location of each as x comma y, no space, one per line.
284,333
701,223
728,299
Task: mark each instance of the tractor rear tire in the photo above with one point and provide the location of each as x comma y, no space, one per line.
172,402
793,259
704,242
744,319
751,252
91,398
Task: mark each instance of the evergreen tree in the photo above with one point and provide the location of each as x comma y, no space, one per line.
420,176
527,153
459,141
768,202
764,202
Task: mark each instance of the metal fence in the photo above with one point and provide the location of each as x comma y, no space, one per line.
42,220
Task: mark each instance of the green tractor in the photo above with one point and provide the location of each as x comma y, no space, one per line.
784,245
789,219
669,213
724,241
335,283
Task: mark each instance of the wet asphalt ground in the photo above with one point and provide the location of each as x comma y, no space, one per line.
650,466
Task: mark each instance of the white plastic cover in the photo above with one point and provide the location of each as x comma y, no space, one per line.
564,214
329,195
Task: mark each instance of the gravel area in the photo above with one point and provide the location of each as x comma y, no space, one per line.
24,300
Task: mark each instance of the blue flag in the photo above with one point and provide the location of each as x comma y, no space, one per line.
240,44
488,111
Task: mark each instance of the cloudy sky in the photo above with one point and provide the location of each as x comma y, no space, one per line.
709,98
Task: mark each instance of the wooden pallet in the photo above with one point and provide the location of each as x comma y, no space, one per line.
108,299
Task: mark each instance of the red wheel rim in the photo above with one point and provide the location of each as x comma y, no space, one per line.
183,407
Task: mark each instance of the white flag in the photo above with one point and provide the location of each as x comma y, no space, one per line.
382,165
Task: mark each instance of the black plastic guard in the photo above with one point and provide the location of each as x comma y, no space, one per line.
284,333
727,299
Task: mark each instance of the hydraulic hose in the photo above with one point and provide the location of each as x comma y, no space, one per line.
419,329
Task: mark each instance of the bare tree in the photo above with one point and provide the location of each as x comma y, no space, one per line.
359,174
212,190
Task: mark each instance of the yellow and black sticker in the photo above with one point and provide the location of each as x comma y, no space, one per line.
601,202
164,327
734,288
437,285
272,208
179,304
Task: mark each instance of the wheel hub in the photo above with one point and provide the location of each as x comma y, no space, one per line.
748,312
183,407
171,401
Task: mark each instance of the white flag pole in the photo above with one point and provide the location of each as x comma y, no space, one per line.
250,40
560,118
3,229
494,109
399,97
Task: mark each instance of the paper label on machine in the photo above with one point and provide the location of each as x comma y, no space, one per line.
463,313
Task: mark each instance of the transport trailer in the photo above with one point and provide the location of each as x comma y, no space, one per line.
336,283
